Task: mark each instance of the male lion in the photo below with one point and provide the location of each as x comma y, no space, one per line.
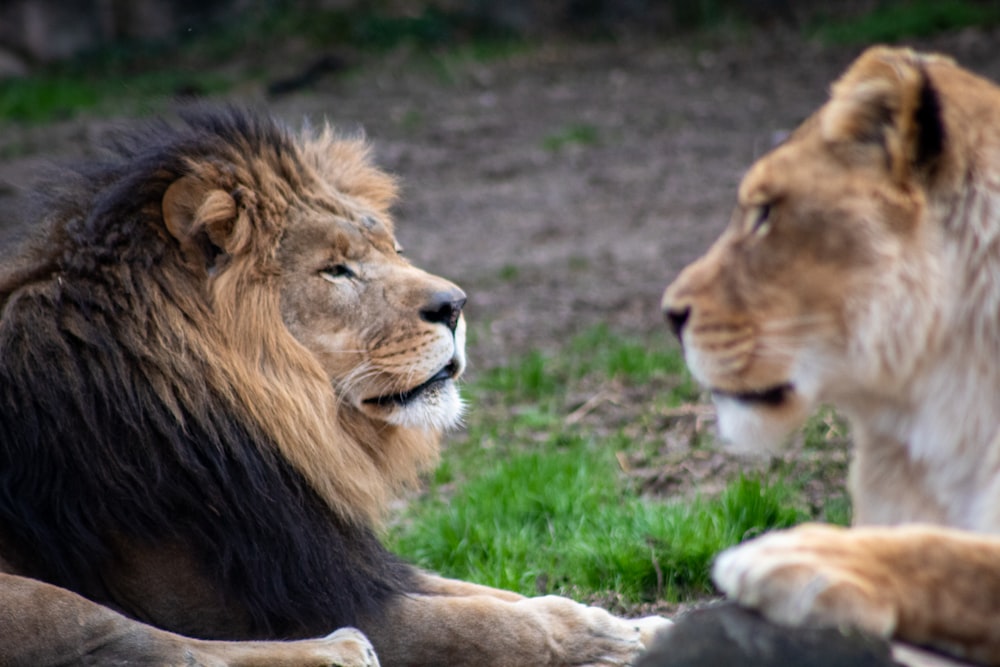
215,367
862,269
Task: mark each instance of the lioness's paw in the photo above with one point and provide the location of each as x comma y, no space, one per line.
811,575
590,636
347,647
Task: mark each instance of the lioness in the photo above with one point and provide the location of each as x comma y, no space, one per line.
862,269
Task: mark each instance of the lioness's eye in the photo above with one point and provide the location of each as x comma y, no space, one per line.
336,271
760,219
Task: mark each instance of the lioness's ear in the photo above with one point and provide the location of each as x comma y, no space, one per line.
886,99
201,218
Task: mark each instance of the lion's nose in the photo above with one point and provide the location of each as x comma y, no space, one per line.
677,318
444,307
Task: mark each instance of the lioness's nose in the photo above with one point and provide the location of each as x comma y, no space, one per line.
677,318
444,307
679,297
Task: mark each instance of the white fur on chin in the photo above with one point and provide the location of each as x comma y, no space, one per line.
758,429
439,408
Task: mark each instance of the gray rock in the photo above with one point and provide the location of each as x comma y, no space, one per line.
726,634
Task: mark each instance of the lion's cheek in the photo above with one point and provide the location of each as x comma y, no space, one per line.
753,428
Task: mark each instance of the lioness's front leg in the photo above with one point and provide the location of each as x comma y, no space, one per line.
925,585
42,625
456,623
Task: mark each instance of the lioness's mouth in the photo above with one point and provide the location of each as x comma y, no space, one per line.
770,396
447,373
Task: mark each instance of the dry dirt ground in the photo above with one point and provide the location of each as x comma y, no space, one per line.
563,185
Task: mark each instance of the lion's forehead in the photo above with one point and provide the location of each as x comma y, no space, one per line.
347,234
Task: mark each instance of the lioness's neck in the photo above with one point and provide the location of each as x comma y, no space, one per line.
934,455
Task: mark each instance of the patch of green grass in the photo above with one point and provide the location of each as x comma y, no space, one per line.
895,21
66,90
601,350
544,378
528,379
509,273
824,426
43,99
412,120
577,134
561,519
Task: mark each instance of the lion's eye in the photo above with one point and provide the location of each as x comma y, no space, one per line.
760,220
337,272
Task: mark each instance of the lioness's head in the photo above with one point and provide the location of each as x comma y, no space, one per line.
828,285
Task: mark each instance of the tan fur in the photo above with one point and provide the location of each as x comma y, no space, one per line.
862,269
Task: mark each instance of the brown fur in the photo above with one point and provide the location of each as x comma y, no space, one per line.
861,269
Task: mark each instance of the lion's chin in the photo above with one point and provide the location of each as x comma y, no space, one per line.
760,422
437,407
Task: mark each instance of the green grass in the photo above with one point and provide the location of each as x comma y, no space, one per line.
542,378
560,519
602,351
895,21
527,501
577,134
64,91
42,99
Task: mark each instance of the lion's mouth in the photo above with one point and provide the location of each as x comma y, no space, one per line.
769,396
447,373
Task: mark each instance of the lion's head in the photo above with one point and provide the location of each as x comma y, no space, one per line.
306,280
846,273
334,342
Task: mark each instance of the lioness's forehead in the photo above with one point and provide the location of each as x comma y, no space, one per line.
798,165
758,185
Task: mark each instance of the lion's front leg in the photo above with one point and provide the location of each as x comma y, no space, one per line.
925,585
45,625
347,647
432,584
502,629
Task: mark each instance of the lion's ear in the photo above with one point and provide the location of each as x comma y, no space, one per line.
885,100
200,217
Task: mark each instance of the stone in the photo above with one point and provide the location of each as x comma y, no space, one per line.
726,634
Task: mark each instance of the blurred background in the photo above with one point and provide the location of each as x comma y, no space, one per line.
562,160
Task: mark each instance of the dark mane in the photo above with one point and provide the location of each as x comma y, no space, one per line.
109,430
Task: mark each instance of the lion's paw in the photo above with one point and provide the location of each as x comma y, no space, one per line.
811,575
649,627
590,636
347,647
